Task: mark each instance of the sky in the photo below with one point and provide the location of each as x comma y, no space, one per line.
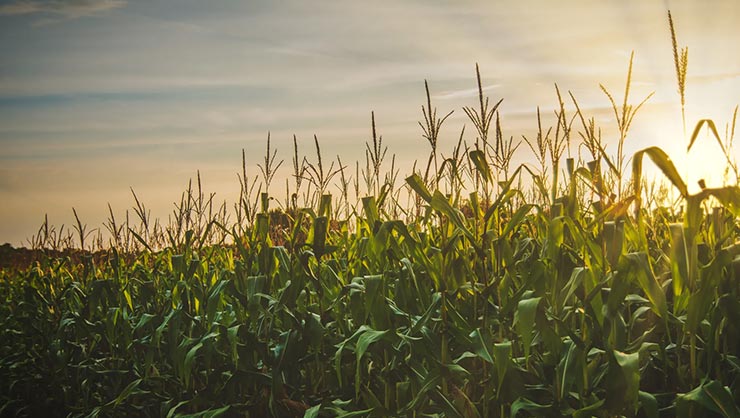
101,96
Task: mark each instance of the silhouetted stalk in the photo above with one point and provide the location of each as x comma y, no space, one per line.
481,119
681,62
430,128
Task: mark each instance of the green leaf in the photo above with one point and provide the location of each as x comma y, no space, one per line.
576,280
428,383
524,318
712,396
368,337
417,184
699,303
371,210
524,404
502,360
712,128
126,392
174,409
214,296
480,346
140,239
639,268
505,193
353,414
728,196
446,404
613,238
629,365
325,205
209,413
363,343
145,319
588,411
262,227
189,359
517,218
479,160
463,405
664,163
722,398
312,412
679,258
649,404
441,204
320,226
129,302
566,367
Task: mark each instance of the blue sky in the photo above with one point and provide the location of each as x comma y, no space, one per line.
97,96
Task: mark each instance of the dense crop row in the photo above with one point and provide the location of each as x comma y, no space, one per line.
583,294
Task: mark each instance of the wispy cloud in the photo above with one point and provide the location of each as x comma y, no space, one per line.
69,9
464,93
714,77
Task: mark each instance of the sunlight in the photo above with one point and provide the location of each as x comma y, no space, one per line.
705,161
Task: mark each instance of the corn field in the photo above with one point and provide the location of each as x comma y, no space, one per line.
473,288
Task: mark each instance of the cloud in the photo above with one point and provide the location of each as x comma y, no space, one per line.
69,9
464,93
717,77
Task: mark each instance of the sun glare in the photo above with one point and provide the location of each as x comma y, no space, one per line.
705,161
